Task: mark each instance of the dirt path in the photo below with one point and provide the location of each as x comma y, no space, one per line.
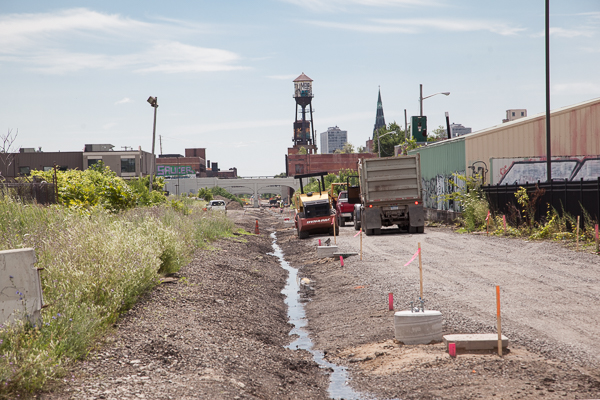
550,308
217,333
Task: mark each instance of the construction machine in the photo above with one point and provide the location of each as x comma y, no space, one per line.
315,213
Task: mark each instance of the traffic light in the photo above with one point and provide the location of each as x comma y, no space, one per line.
419,128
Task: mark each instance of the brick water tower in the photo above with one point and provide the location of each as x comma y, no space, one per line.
304,132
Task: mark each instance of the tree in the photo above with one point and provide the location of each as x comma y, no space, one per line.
436,134
6,149
347,149
388,141
281,175
361,149
302,150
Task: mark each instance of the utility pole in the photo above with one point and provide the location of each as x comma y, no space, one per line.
160,141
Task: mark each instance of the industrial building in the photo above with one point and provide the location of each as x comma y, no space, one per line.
515,152
333,139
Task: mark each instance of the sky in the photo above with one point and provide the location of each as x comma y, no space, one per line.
76,72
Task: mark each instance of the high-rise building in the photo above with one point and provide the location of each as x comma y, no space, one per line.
333,139
459,130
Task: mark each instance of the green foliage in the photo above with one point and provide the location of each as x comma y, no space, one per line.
348,148
313,186
96,265
205,193
98,186
219,191
471,200
302,150
388,141
281,175
436,134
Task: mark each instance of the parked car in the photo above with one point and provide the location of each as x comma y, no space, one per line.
216,205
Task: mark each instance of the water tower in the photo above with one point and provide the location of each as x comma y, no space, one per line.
304,133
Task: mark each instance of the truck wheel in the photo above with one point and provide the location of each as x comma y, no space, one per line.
368,232
356,224
377,231
420,229
303,235
342,221
412,229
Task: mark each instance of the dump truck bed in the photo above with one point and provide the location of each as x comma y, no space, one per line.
390,179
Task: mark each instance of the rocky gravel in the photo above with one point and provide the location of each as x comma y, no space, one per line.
550,307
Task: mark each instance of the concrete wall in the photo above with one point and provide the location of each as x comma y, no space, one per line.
20,286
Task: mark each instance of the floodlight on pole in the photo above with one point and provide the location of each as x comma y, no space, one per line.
421,98
154,103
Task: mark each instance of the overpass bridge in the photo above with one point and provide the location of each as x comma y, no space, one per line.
254,185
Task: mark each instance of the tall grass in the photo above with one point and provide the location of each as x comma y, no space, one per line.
96,265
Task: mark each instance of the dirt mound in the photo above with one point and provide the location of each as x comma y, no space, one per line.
230,204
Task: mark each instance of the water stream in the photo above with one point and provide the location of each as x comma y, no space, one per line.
338,381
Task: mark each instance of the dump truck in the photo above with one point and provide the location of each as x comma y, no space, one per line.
314,209
390,194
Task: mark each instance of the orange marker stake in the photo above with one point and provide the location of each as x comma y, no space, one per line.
391,301
499,321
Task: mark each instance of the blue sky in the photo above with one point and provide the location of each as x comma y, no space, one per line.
79,72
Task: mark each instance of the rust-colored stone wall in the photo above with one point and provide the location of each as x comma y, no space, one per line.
331,163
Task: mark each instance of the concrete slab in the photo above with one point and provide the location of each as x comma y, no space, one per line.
481,341
326,251
20,286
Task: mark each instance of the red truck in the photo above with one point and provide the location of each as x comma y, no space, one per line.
344,211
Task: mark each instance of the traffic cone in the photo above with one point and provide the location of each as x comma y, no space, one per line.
256,228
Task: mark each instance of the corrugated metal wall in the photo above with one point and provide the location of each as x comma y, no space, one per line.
575,131
439,162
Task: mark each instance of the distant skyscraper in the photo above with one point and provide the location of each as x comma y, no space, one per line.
333,139
379,118
459,130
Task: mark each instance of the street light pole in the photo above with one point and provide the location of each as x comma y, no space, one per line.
421,98
154,103
378,144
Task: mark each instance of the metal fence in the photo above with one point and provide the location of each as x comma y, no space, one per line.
563,196
37,192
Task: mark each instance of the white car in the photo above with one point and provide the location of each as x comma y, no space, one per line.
216,205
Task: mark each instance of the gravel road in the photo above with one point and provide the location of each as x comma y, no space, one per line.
550,313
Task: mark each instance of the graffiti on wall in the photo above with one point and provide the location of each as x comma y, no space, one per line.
435,189
522,170
175,171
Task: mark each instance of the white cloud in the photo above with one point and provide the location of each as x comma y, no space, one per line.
123,100
45,42
345,5
108,126
419,25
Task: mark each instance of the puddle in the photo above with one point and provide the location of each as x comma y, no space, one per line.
338,380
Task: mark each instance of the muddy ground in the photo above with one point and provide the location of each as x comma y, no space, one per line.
220,330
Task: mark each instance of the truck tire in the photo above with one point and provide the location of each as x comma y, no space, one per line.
341,221
303,235
377,231
420,229
356,220
368,232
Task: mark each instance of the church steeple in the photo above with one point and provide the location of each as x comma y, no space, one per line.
379,118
